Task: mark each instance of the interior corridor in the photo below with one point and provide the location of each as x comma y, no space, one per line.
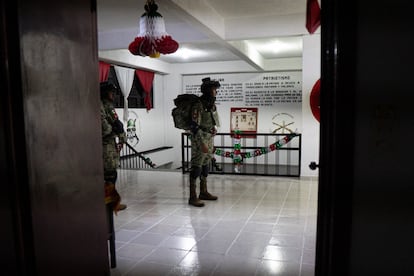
258,226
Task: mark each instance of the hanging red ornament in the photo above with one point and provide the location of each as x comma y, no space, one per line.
314,100
152,39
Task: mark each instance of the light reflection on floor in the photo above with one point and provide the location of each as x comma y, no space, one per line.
258,226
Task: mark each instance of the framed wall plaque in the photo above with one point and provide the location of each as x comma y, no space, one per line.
245,120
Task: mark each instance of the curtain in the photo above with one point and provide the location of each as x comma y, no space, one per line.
313,15
125,79
146,78
103,71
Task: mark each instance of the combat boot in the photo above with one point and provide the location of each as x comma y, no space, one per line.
193,200
204,194
113,198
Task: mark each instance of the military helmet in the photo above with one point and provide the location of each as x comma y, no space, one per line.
208,84
107,87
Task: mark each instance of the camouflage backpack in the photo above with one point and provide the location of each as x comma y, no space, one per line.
181,113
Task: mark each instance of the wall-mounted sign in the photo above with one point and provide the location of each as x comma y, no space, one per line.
269,92
243,119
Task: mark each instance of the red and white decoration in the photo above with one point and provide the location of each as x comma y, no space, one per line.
152,39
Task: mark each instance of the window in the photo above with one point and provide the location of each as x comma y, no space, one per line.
136,96
119,98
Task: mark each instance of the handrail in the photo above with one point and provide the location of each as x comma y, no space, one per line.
130,158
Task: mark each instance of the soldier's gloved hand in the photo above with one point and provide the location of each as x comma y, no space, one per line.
118,127
213,130
119,147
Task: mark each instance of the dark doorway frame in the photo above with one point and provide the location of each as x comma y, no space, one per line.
336,126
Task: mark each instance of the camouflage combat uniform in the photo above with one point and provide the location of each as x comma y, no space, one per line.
109,143
206,121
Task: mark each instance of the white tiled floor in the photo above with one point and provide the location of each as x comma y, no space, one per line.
258,226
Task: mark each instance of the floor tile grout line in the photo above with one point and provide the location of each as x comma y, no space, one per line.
246,189
210,229
143,214
224,214
141,232
246,221
142,258
281,207
278,216
306,223
238,234
157,247
154,248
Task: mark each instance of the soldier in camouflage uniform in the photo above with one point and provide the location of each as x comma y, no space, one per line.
203,127
113,138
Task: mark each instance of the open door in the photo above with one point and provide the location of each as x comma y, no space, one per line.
336,128
365,201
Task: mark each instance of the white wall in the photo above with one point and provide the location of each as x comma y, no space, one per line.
157,128
174,84
311,73
151,124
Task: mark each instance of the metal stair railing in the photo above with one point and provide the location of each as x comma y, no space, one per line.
132,159
283,161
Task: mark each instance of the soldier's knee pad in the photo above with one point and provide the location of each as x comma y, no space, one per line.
195,172
111,176
204,170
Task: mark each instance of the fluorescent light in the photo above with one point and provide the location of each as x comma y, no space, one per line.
271,47
275,46
186,53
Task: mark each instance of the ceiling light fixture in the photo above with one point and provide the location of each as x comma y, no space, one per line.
152,39
272,47
186,53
